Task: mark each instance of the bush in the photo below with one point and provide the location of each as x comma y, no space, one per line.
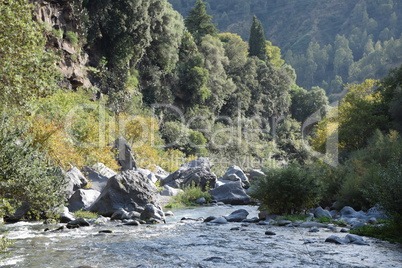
26,175
72,38
188,196
288,190
374,175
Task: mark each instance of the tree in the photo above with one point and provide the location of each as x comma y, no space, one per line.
27,70
257,42
198,22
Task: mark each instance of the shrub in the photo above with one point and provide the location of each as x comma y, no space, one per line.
188,196
86,214
288,190
26,174
72,38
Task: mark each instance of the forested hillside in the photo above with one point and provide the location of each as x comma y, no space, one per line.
329,43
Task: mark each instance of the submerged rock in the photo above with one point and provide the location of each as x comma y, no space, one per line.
349,239
219,220
237,215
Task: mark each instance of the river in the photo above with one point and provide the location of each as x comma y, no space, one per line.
190,244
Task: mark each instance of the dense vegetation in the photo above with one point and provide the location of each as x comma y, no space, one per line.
328,42
176,88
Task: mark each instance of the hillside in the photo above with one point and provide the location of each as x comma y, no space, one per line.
309,34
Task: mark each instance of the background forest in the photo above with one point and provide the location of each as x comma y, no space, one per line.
329,43
180,87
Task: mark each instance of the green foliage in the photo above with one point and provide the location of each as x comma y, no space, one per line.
72,129
5,243
85,214
257,43
390,231
293,217
324,219
72,38
190,194
360,114
372,175
198,22
306,103
27,70
26,174
288,190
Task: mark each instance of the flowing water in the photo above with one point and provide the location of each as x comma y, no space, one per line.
190,244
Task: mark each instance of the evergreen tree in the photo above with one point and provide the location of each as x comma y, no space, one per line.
257,44
198,22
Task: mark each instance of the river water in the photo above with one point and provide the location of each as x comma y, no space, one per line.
190,244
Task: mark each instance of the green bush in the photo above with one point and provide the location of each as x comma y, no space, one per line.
26,175
288,190
374,175
188,196
72,38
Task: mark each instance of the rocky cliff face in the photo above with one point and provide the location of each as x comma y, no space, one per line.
63,26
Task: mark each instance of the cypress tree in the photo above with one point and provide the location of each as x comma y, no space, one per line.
198,22
257,44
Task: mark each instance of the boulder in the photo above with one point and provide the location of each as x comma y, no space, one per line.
349,239
200,201
219,220
77,223
160,173
169,191
310,224
335,239
197,172
125,156
231,193
120,214
130,190
66,216
237,215
149,174
74,181
320,212
270,233
256,174
356,240
152,212
103,170
234,173
284,222
377,213
82,199
98,175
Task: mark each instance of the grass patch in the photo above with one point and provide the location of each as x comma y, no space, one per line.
188,197
293,217
323,219
86,214
389,231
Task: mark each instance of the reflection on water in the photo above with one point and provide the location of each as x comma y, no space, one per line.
190,244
